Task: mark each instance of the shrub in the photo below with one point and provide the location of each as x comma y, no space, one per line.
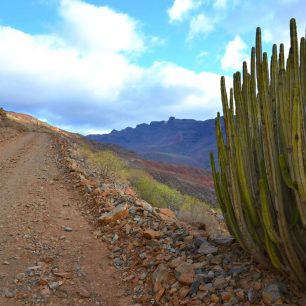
107,163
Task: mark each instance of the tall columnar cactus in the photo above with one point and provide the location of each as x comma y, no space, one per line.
261,184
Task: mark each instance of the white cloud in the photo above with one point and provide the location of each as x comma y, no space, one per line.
188,94
84,81
201,25
220,4
89,27
181,8
234,54
44,61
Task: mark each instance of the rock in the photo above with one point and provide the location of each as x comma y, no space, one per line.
240,295
159,294
96,192
82,292
226,296
143,255
257,285
6,263
226,240
145,205
199,240
206,248
43,282
88,189
183,292
256,276
9,293
115,238
220,218
195,288
252,295
271,294
60,293
119,212
45,291
150,234
159,278
63,274
33,268
143,275
235,271
220,282
176,262
216,260
20,276
185,274
55,285
166,214
67,229
188,239
118,262
214,298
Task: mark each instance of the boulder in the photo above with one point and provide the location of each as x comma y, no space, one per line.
226,240
166,212
119,212
145,205
206,248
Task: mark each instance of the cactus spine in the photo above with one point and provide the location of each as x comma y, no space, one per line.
261,184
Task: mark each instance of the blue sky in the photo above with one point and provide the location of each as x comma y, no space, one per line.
95,65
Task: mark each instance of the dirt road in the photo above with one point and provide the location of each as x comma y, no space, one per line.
48,254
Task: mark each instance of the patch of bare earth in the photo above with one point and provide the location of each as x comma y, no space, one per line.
48,254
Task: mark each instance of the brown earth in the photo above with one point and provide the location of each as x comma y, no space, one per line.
48,253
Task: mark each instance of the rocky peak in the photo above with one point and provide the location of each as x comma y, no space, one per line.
176,141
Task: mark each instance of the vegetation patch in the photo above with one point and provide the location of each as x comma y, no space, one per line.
111,166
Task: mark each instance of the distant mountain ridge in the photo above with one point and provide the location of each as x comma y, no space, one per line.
177,141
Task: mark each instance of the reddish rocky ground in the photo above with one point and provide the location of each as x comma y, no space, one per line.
71,237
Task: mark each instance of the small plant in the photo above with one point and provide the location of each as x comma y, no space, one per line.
261,185
107,163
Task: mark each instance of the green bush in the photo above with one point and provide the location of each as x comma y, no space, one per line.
107,163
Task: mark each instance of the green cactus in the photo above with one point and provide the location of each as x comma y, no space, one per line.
261,184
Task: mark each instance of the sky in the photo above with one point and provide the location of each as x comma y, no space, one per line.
90,66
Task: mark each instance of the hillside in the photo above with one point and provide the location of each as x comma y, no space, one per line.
73,237
176,141
188,180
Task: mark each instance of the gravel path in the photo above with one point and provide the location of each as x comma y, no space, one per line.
48,254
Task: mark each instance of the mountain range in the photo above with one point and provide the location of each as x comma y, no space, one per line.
176,141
